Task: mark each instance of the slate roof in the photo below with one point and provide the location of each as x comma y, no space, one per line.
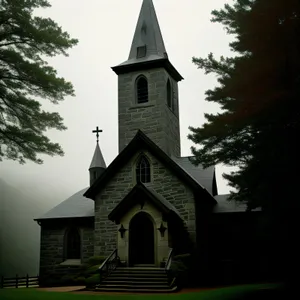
147,33
225,206
77,206
80,206
205,177
98,160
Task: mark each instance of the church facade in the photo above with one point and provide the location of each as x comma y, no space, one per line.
149,199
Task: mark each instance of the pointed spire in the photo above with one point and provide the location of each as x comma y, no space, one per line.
147,34
147,48
98,160
98,165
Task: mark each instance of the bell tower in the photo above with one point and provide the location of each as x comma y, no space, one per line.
148,87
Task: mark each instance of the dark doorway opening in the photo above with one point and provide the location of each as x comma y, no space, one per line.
73,244
141,240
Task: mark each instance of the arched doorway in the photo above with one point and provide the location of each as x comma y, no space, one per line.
141,240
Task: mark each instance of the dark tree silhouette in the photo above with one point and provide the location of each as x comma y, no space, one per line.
25,40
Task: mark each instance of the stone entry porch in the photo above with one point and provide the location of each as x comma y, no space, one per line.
143,218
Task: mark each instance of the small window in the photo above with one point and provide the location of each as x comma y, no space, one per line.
73,244
169,95
143,170
141,51
142,90
95,175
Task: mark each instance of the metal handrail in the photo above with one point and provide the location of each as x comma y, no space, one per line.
169,260
172,280
108,258
109,265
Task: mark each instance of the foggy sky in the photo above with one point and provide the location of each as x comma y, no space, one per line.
105,30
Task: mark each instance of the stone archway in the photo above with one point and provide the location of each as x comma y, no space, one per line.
141,240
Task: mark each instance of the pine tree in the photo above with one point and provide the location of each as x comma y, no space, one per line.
25,76
258,125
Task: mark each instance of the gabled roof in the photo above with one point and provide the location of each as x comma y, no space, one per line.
98,160
141,141
139,194
77,206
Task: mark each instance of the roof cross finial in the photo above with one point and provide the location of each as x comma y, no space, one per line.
97,131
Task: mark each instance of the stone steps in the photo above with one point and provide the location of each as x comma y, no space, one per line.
137,279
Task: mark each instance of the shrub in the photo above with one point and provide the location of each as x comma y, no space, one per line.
180,266
92,280
91,270
80,280
184,258
68,280
96,260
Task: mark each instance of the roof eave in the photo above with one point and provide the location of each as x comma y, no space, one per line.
61,218
115,214
145,65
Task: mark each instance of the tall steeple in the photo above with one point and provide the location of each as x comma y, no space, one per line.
98,165
148,88
147,46
147,34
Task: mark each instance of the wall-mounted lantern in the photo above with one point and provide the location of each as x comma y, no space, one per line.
162,229
122,231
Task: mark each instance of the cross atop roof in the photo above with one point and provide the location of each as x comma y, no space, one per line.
97,131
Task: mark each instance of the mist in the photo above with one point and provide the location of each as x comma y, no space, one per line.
105,29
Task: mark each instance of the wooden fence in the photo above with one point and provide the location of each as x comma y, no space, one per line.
19,282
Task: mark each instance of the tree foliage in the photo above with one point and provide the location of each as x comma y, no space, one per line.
25,76
258,92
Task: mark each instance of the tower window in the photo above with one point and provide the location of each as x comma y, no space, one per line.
143,171
141,51
169,95
142,90
72,244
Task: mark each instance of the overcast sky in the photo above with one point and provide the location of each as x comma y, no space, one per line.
105,30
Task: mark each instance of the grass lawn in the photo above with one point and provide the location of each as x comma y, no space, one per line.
217,294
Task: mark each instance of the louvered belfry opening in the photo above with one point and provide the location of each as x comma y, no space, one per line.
142,90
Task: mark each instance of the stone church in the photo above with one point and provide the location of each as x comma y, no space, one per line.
149,199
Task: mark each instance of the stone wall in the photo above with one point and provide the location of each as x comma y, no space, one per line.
52,241
87,243
162,181
52,251
154,118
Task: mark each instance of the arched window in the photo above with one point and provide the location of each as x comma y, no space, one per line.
142,90
73,244
143,172
169,95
